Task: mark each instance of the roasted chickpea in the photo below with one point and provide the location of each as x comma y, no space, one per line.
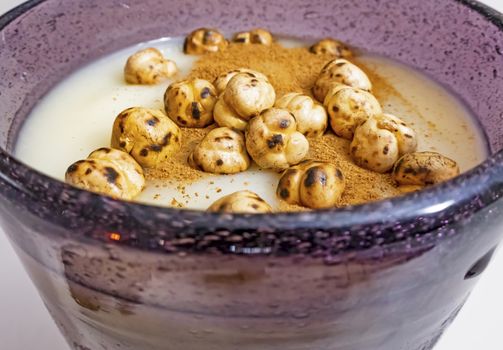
204,40
222,151
380,141
222,80
312,184
273,142
149,67
148,135
311,117
108,171
190,103
424,169
255,36
348,107
245,96
340,71
243,202
332,47
405,135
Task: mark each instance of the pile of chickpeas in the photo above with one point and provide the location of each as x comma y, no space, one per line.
253,124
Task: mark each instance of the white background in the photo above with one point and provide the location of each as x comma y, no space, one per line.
25,324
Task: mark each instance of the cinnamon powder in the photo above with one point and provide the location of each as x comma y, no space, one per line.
177,169
289,70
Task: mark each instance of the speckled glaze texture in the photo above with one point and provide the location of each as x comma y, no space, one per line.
385,276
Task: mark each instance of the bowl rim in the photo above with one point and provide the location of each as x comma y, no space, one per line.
429,201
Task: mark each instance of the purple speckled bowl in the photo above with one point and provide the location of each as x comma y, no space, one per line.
385,276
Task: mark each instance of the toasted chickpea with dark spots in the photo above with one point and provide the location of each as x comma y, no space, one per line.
148,135
204,40
255,36
423,169
349,107
108,171
380,141
311,117
222,151
312,184
149,67
223,79
245,97
332,47
340,71
243,202
273,142
190,103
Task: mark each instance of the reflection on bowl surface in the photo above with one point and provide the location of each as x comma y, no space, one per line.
388,275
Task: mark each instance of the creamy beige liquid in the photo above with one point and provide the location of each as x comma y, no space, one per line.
77,116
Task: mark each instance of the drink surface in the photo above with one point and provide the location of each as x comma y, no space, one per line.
76,117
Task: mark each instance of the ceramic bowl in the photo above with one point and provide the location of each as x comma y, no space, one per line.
390,275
